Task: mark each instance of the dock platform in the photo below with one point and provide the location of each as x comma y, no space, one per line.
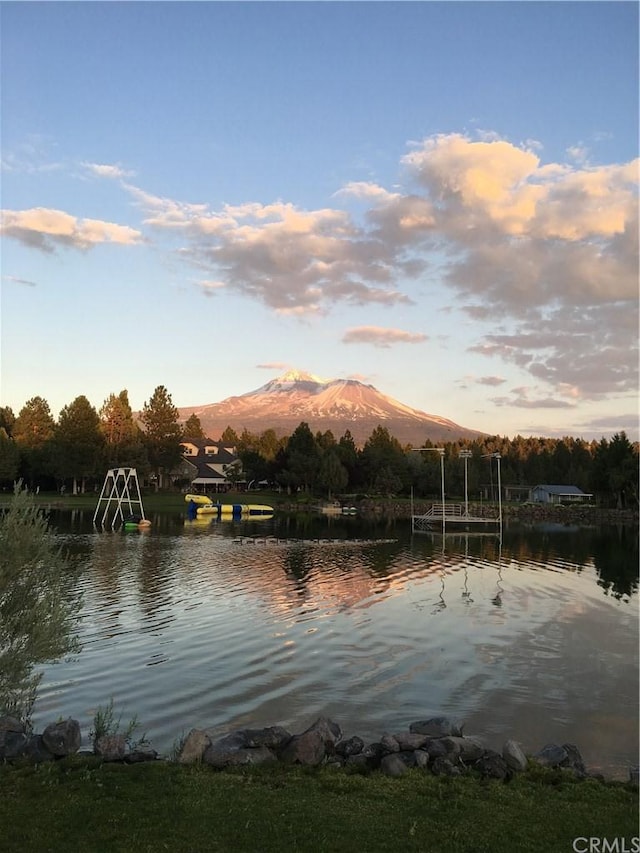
451,515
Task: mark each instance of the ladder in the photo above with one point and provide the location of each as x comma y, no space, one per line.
120,488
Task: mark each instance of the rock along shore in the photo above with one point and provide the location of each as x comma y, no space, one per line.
526,513
436,745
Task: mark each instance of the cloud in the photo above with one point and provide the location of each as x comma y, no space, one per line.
103,170
542,255
491,380
295,261
43,228
15,280
381,337
608,425
209,288
593,351
273,365
520,398
31,156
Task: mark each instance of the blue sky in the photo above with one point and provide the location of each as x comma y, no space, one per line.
440,199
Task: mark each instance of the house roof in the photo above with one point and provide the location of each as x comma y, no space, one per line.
561,490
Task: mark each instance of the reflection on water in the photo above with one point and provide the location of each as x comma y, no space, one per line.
235,624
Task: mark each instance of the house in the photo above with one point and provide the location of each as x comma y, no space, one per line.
559,495
213,466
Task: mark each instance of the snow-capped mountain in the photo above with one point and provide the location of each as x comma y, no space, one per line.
334,404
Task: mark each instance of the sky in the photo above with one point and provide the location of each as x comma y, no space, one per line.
436,198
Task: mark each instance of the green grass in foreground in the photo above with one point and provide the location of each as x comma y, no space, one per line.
81,805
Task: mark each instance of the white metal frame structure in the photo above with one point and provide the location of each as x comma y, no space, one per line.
120,487
456,514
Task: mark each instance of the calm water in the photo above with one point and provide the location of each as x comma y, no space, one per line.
196,625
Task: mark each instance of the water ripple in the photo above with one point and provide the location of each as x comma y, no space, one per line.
196,629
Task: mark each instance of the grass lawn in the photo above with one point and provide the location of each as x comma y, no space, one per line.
152,501
79,804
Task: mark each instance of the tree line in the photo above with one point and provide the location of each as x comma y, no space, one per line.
78,447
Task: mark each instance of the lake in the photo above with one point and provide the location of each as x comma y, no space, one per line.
229,625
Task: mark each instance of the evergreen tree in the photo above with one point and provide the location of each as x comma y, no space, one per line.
122,436
162,433
348,456
255,466
383,453
299,463
34,425
7,420
33,431
229,437
192,429
9,458
269,444
332,475
325,440
116,420
615,472
77,443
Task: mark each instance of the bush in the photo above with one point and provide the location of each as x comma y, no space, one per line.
39,602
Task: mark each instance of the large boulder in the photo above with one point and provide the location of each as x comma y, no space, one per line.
222,752
193,747
436,727
393,765
36,751
574,759
330,732
411,740
442,766
307,748
241,756
273,737
111,747
352,746
551,755
465,748
12,744
12,724
513,754
63,738
492,765
140,753
421,758
389,743
436,748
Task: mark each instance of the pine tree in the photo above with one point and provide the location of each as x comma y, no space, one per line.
33,431
162,433
192,428
77,443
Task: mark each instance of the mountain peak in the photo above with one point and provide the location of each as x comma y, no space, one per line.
299,376
325,404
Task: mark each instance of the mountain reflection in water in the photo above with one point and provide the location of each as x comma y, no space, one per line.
237,624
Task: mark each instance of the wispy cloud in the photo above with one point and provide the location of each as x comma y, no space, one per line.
273,365
23,281
32,156
629,423
105,170
45,229
492,381
381,337
210,288
521,398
